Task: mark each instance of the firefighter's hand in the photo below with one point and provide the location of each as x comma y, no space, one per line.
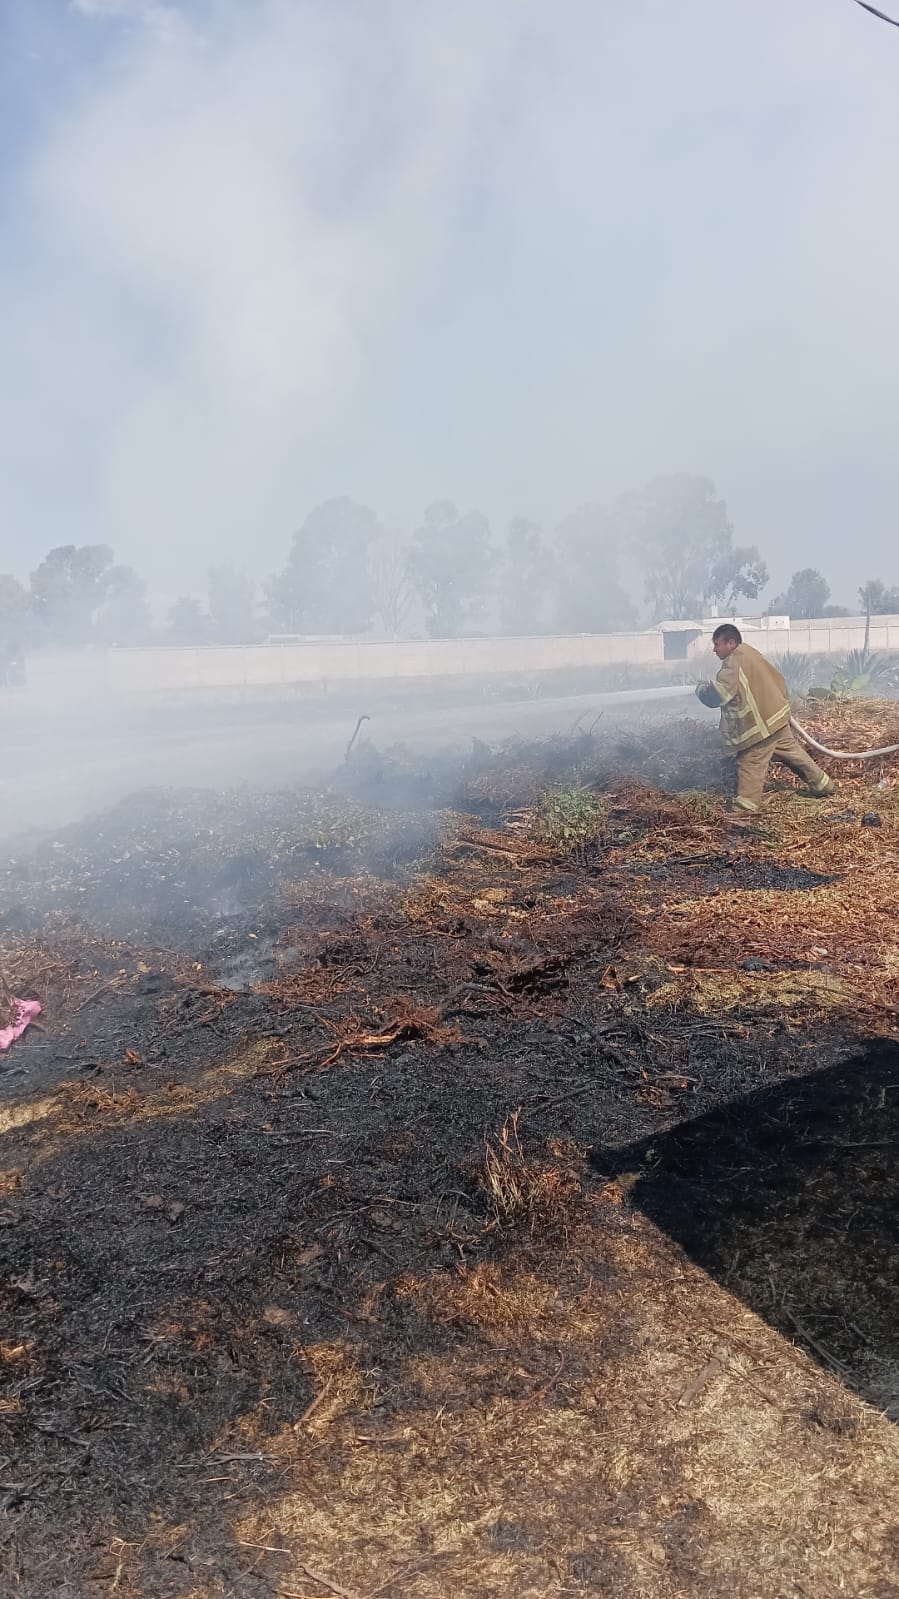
708,694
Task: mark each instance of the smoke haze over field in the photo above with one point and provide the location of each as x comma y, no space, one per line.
525,254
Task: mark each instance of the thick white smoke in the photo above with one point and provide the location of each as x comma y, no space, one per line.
524,254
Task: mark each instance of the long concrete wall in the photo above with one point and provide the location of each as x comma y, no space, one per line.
322,664
829,635
377,660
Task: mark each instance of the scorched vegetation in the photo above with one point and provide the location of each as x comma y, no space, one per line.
451,1184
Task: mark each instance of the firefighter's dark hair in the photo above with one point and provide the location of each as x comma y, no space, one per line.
727,632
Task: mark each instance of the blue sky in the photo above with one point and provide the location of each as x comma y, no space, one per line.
523,255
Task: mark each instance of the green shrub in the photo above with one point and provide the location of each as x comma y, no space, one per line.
569,818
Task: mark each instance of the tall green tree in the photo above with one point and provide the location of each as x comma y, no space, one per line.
590,595
188,623
393,594
451,565
686,544
525,578
15,612
739,574
68,589
877,600
233,617
124,617
805,596
78,592
326,586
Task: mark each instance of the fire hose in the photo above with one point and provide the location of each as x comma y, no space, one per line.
842,755
823,749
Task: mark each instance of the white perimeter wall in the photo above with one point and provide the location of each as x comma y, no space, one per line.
324,663
105,674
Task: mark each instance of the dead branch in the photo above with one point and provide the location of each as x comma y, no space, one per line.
112,983
543,1390
324,1582
349,749
312,1407
426,1023
694,1389
826,1356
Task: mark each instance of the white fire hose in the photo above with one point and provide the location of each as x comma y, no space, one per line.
674,692
843,755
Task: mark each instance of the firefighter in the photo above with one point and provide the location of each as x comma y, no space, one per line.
755,722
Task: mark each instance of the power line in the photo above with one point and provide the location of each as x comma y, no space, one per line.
875,13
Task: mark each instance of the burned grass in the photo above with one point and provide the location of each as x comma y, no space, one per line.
522,1190
403,1224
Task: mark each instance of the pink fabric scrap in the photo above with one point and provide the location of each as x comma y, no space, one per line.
24,1012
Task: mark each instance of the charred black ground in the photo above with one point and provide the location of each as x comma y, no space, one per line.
285,1037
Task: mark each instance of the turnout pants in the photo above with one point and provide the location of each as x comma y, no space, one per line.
752,769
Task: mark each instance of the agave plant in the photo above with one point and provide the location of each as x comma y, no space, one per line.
859,672
798,672
879,670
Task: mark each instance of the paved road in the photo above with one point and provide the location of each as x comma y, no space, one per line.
58,768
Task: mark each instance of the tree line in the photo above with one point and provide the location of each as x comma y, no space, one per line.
345,573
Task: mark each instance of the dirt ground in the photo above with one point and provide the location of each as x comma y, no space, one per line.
456,1182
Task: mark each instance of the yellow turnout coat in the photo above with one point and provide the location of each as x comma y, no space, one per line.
753,698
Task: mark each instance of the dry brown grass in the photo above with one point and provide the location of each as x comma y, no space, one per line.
522,1190
7,1008
337,1384
846,933
720,993
566,1462
489,1296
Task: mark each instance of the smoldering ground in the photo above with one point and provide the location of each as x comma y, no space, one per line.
324,1246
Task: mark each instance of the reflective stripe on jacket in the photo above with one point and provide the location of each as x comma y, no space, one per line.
753,698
